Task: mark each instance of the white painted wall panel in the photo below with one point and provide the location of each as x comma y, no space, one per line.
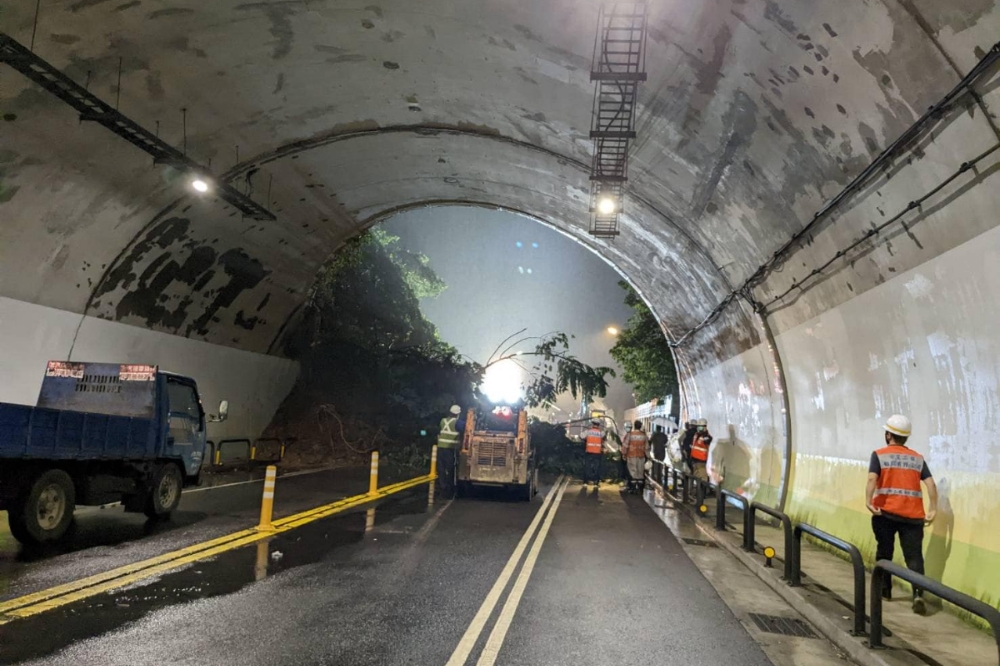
30,335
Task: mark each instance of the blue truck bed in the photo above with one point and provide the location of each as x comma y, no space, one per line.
86,411
54,434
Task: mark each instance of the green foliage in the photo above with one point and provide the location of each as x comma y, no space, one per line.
366,348
642,352
368,295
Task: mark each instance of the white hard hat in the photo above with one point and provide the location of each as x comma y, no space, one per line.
701,422
456,410
897,424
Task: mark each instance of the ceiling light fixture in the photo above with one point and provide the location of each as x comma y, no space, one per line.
606,206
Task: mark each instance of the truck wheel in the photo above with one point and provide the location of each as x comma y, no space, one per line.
46,511
165,493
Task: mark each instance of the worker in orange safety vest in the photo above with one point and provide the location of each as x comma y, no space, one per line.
895,499
636,451
594,438
699,450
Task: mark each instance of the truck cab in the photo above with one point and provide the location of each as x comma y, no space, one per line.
496,450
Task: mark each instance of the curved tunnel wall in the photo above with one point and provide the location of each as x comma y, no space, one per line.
756,112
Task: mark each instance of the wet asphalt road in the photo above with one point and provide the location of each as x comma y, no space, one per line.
102,539
611,586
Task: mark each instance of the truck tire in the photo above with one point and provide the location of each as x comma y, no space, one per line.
164,492
45,512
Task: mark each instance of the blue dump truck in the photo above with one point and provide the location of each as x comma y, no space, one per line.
101,433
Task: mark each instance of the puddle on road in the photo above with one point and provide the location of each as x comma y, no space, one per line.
47,633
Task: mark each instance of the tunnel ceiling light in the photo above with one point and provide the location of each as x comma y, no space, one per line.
199,185
606,206
92,109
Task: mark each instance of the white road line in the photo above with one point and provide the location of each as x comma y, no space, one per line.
471,635
303,472
499,633
243,483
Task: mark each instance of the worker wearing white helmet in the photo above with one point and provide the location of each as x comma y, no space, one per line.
699,450
447,443
895,499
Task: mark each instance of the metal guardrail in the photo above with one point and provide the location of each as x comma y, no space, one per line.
723,497
885,568
786,525
856,562
222,443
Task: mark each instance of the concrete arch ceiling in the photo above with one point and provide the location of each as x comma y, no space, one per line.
753,113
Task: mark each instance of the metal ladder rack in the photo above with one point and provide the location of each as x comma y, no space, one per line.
92,109
618,68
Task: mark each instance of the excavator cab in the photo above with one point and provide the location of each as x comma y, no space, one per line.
496,450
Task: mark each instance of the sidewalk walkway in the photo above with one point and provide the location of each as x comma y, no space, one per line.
828,585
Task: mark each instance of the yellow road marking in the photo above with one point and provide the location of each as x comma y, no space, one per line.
61,595
499,633
472,633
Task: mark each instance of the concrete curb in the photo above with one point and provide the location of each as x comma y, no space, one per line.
843,640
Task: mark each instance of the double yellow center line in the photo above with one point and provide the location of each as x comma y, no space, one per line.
61,595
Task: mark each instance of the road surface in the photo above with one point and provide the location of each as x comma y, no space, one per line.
575,576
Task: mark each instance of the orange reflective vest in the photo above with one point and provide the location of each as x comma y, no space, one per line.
898,489
699,447
635,444
595,441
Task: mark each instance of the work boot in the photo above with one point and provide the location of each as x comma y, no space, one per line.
919,606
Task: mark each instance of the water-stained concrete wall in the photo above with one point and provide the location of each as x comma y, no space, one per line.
335,113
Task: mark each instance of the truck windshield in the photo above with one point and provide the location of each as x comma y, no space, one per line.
498,418
183,401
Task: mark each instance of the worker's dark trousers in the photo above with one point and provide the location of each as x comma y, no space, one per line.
592,467
446,473
911,538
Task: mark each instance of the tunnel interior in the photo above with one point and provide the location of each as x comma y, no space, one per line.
759,123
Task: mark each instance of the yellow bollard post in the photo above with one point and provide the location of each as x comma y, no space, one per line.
253,453
434,460
218,456
370,519
267,500
260,566
373,484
